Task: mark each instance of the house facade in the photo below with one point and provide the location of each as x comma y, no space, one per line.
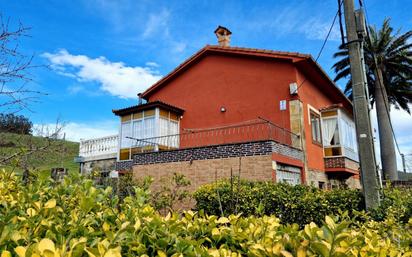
257,114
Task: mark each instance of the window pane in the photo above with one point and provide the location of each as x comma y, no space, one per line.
149,113
174,128
315,123
138,129
149,128
163,126
126,132
330,131
126,118
138,115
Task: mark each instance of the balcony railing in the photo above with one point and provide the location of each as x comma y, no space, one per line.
252,131
99,146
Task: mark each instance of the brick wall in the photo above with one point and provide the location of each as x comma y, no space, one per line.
200,172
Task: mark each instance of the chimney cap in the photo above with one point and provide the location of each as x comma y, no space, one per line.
223,36
220,30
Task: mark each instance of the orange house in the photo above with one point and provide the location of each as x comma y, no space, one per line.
260,114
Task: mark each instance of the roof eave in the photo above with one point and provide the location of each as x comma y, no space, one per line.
324,74
150,105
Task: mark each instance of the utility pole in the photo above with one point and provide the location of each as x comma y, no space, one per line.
403,162
355,30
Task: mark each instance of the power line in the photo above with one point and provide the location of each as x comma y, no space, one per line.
323,44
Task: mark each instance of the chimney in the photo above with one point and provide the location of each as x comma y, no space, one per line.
223,36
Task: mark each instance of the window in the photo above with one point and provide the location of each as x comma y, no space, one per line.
288,174
330,131
164,129
169,128
315,123
126,132
149,127
321,185
349,134
138,129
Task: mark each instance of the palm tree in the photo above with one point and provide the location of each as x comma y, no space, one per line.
387,56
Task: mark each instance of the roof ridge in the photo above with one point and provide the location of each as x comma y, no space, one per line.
262,50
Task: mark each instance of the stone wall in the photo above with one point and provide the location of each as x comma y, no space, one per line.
354,182
105,165
315,176
200,172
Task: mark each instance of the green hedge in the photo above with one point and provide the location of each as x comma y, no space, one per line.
75,219
298,204
396,202
292,204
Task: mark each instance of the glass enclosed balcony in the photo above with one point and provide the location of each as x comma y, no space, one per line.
339,134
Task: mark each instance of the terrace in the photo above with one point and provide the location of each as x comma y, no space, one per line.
249,138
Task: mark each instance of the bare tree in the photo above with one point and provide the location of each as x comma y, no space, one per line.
15,69
23,152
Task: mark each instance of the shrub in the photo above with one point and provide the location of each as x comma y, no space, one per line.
171,194
15,124
75,219
396,202
292,204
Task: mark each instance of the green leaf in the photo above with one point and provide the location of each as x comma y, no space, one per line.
322,248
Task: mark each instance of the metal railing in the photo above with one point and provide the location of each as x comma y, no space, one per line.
98,146
249,132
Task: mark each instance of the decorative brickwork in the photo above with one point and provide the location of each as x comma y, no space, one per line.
335,162
341,162
124,165
217,152
287,151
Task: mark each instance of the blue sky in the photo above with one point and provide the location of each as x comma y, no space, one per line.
102,53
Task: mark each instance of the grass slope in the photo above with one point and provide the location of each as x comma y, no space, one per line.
59,154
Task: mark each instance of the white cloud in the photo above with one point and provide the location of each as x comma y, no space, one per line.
75,131
75,89
178,47
152,64
295,19
157,23
114,78
316,28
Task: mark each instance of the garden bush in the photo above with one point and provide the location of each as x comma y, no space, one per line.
292,204
73,218
396,202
